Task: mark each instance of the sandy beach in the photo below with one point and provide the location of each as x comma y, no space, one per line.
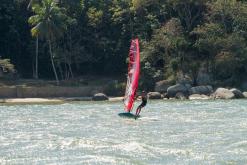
50,100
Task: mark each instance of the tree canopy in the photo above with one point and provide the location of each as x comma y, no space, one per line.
92,37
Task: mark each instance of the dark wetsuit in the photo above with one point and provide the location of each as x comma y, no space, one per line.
144,102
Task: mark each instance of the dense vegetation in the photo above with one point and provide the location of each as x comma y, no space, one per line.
68,38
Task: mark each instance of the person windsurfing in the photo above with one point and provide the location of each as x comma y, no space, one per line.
143,104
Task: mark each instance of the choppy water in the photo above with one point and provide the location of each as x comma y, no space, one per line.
169,132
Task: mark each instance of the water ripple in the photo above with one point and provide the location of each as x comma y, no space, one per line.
168,132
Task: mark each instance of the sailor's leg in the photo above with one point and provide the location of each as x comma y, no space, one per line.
138,110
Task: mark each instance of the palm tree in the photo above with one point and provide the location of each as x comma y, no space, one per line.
36,74
49,23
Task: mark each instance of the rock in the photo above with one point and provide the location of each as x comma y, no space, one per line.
245,94
188,86
180,96
198,97
154,95
205,90
173,90
165,95
100,97
162,86
238,94
223,93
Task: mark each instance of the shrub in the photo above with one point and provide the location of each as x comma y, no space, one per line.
115,89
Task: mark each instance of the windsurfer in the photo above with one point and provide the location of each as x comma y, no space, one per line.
143,104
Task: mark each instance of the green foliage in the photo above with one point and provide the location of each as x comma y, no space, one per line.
149,76
93,37
115,89
169,45
174,64
190,12
94,17
49,21
194,70
7,66
225,65
210,39
220,42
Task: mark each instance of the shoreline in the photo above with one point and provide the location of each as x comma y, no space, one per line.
59,100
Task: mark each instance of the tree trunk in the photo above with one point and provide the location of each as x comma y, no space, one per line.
36,58
70,56
33,68
70,69
65,67
66,72
29,4
61,71
52,62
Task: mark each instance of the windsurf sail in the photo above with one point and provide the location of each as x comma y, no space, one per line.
133,75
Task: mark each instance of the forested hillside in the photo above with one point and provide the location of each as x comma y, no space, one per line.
64,39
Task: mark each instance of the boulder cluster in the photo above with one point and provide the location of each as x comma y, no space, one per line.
183,90
186,91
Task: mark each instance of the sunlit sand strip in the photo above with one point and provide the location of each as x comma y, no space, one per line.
31,100
116,98
52,100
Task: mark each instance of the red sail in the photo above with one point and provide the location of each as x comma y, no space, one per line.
133,75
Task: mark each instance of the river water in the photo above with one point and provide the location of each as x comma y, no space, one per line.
168,132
